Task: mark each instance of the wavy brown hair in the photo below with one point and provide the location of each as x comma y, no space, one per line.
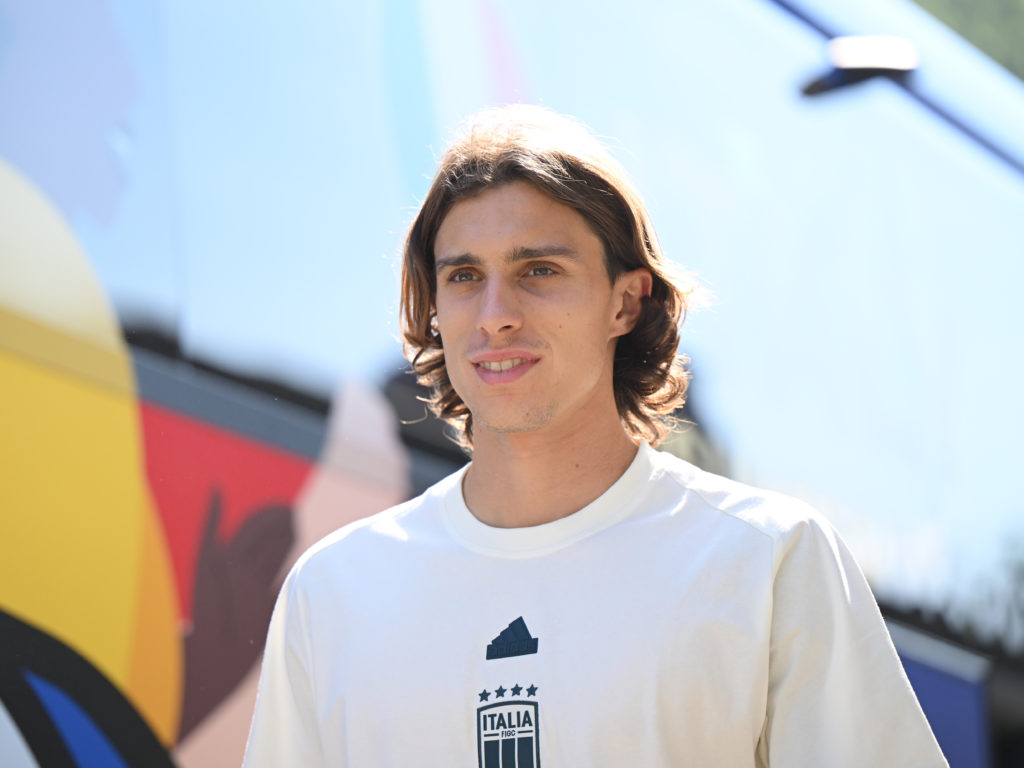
562,159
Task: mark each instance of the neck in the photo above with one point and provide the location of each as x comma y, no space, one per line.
531,478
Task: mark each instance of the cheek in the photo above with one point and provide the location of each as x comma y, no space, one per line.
447,324
445,320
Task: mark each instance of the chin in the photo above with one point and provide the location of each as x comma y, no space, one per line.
511,424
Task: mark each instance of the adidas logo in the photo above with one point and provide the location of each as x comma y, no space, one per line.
514,640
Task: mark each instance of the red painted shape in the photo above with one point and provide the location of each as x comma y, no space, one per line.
186,460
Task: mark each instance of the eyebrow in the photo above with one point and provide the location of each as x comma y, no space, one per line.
520,253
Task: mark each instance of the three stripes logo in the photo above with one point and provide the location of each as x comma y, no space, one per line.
514,640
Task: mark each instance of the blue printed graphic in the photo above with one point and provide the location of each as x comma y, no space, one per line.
508,734
514,640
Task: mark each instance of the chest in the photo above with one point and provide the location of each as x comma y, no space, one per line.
579,659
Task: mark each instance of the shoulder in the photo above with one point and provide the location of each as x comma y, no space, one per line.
376,538
739,521
775,516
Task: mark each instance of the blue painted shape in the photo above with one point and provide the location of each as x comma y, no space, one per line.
956,710
87,744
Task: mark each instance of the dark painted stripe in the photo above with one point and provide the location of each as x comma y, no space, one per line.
30,716
805,17
24,648
181,387
88,745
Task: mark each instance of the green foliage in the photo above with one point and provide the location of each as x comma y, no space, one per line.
994,26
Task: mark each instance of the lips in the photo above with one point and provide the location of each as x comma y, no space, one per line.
502,367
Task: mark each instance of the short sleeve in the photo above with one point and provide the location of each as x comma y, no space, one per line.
284,726
838,695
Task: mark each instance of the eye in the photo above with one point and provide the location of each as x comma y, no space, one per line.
461,276
540,270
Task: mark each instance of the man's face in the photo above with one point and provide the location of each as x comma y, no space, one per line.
527,314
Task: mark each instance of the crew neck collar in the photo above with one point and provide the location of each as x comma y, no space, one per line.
606,510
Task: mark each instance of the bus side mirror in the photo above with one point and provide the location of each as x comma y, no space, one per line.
861,57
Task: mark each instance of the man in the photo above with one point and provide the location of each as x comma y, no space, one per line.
572,595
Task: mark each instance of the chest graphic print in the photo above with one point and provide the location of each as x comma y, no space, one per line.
507,732
514,640
508,727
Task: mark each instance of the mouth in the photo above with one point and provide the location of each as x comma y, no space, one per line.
503,370
502,365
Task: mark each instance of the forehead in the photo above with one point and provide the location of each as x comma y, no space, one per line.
514,214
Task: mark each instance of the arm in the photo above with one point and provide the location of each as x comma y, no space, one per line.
837,692
284,726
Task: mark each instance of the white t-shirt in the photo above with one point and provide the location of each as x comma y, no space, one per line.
681,619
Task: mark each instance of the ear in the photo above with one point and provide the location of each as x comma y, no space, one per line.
629,292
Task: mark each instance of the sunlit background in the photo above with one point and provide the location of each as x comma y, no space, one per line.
201,211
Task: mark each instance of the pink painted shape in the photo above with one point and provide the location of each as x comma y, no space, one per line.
506,70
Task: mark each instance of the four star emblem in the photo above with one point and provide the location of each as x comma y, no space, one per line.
500,692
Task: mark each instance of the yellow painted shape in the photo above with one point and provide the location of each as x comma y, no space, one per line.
72,355
82,555
79,556
156,675
69,553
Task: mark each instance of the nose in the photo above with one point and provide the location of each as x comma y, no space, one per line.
500,312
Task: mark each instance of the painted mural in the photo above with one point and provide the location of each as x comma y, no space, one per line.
143,545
